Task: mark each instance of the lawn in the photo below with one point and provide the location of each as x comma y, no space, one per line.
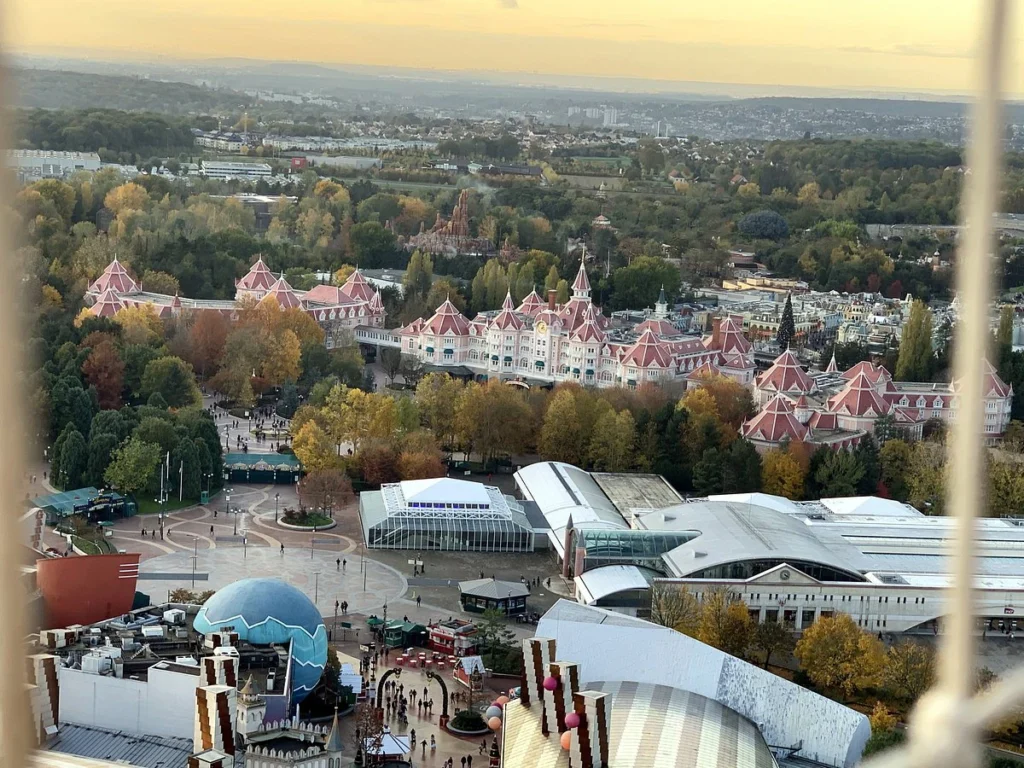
150,507
86,546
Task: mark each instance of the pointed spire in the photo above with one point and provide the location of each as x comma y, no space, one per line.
507,304
581,285
832,367
334,738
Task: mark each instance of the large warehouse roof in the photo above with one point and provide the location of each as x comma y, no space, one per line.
563,492
787,714
731,532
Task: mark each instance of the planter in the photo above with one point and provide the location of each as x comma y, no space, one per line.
292,527
458,732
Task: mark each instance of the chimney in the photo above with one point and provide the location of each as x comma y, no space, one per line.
216,708
552,295
588,743
716,333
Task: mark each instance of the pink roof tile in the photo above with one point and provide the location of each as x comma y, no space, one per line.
259,278
107,305
663,328
284,294
357,288
447,320
648,352
859,398
589,330
775,422
872,371
507,319
115,277
532,304
582,283
786,376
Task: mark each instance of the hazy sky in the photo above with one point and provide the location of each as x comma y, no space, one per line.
875,44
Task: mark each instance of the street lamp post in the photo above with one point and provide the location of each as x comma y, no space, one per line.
277,497
195,559
316,586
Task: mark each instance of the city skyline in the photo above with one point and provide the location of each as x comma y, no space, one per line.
910,47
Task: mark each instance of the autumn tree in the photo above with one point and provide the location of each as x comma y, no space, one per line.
674,607
613,442
127,197
771,638
909,669
281,359
839,656
378,462
725,622
781,474
391,362
206,342
314,448
485,414
326,489
895,458
560,435
438,395
104,370
140,324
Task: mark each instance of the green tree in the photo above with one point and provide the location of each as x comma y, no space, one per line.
725,622
186,463
708,473
72,461
172,377
562,290
133,465
101,448
551,281
915,358
674,607
867,456
894,460
909,669
787,325
741,471
839,474
136,357
639,284
437,395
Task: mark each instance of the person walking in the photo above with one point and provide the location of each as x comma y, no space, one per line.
282,547
343,564
418,601
433,743
338,564
483,745
463,761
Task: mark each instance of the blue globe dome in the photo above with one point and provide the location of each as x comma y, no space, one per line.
265,611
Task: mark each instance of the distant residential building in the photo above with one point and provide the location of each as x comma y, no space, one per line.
225,170
222,141
45,164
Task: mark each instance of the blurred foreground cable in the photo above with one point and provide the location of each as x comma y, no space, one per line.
946,724
15,722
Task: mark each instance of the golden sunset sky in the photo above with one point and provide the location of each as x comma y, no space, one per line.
909,45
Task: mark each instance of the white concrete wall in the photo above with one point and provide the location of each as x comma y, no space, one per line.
785,713
164,706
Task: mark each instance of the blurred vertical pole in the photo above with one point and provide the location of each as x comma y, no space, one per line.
942,732
974,277
15,722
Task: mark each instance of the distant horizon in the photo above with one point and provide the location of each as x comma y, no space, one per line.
733,46
707,90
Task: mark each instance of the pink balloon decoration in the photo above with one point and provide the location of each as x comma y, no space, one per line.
501,701
566,740
550,683
572,720
494,723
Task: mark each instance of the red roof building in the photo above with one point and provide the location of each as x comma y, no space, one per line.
531,305
107,305
283,294
507,319
114,278
357,288
447,321
785,377
775,422
256,282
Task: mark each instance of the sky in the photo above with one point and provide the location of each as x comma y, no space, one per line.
893,45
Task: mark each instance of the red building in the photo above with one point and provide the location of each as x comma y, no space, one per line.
455,637
85,590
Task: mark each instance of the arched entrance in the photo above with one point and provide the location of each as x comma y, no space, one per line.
431,675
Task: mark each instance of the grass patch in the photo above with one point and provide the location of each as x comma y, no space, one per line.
151,507
306,520
86,546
